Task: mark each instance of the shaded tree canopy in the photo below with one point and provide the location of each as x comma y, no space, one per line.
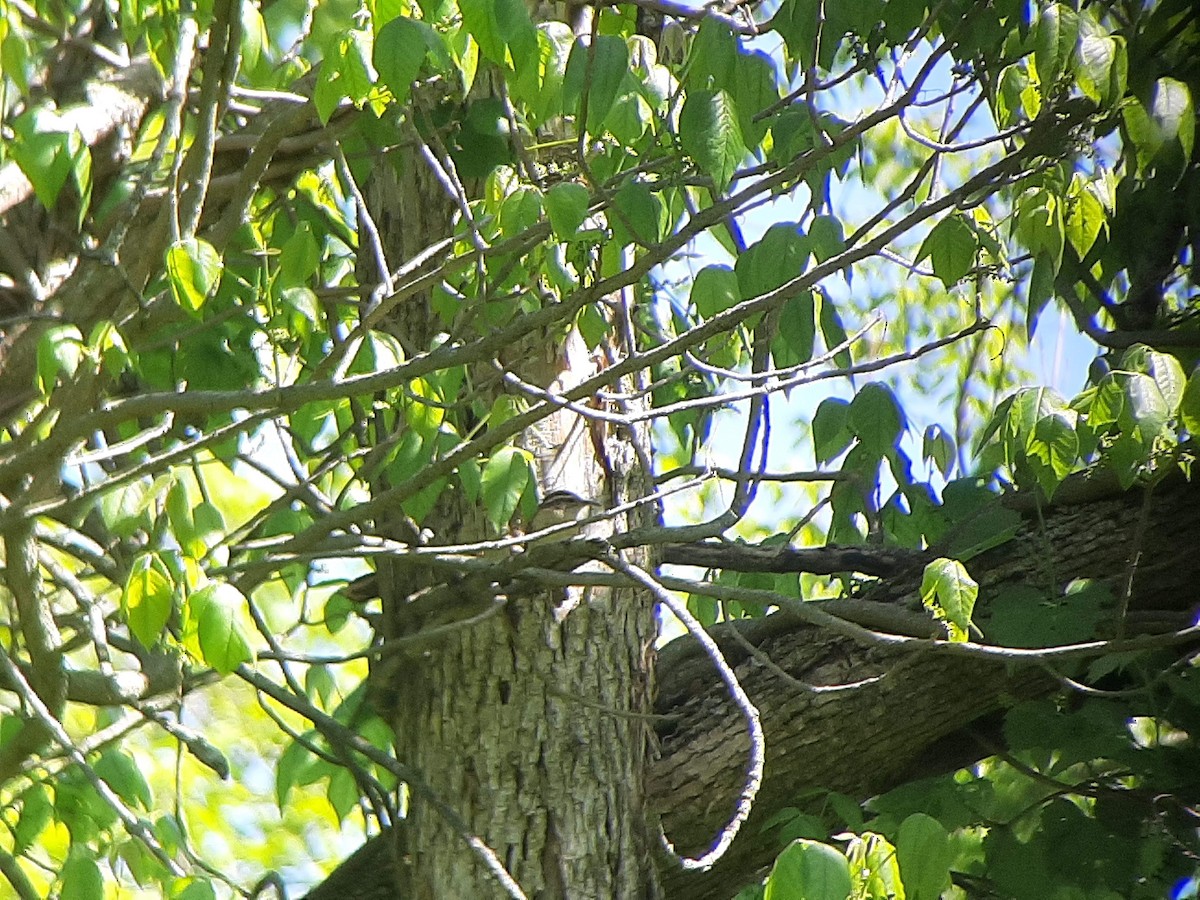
310,313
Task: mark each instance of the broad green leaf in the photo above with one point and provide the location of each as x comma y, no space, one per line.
399,51
597,75
833,331
1014,82
214,613
36,812
1053,448
951,246
1054,44
714,290
196,889
540,84
781,256
148,599
1145,405
1040,224
924,852
827,238
49,153
950,593
60,350
797,22
343,793
831,428
567,206
1174,114
636,215
424,407
710,134
193,272
629,118
1162,367
1102,67
876,419
937,446
713,58
482,142
521,210
81,879
808,870
793,345
753,90
1085,217
125,777
506,477
1189,405
299,257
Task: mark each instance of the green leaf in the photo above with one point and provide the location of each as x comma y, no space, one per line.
148,599
793,345
81,879
713,57
781,256
506,477
399,51
193,272
636,216
1145,405
827,238
1162,367
1054,44
296,766
1053,448
924,852
710,134
567,206
601,74
482,142
950,593
214,612
124,776
36,813
521,210
1102,67
1173,113
753,90
937,446
60,350
714,290
831,428
50,152
1085,217
833,331
951,246
1189,405
299,258
876,419
808,870
196,889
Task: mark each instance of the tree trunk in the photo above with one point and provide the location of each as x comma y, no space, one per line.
903,714
531,724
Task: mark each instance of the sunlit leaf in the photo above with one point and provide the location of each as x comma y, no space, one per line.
807,870
193,272
215,612
148,599
710,134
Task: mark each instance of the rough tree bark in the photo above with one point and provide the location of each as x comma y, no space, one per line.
902,713
490,715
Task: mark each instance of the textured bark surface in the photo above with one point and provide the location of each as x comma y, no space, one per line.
905,714
532,724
